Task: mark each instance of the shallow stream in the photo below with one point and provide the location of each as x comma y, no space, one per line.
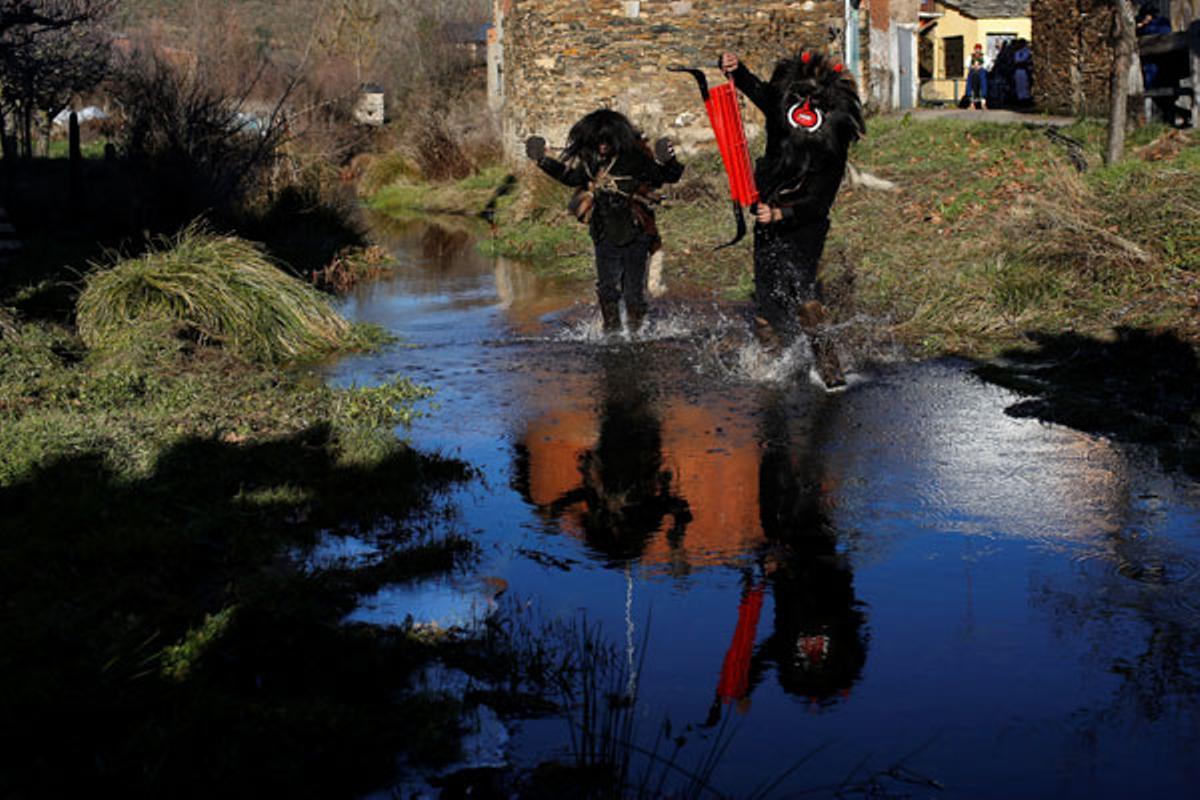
898,577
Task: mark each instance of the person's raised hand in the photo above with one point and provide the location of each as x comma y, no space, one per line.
729,62
535,148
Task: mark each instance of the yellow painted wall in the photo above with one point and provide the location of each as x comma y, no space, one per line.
955,23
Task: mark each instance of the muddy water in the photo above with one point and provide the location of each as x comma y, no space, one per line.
925,589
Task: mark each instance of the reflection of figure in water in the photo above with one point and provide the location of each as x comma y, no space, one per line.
625,490
817,644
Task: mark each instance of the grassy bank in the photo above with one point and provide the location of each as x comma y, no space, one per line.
991,233
157,637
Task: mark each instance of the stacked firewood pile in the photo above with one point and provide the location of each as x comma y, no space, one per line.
1072,57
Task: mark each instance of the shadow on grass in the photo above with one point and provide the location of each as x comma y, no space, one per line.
156,641
1140,387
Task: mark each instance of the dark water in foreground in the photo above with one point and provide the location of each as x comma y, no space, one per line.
898,573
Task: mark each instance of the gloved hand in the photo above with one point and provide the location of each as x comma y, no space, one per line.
664,151
535,148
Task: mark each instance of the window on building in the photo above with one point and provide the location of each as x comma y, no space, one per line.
953,56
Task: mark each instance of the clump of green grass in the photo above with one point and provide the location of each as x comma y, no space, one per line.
220,289
411,196
179,659
8,322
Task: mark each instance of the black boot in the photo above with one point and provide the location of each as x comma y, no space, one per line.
812,317
634,317
610,312
829,366
767,336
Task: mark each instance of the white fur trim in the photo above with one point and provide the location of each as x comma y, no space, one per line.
655,285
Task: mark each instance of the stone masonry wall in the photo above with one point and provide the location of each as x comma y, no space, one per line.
564,58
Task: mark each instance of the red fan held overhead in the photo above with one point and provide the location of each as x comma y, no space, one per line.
726,120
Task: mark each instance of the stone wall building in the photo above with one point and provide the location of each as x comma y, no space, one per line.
552,61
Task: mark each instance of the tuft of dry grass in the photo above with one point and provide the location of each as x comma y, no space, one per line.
220,289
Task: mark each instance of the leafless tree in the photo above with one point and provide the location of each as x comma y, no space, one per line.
193,137
49,51
1124,43
41,73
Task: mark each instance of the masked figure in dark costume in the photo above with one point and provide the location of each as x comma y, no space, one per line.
608,160
813,114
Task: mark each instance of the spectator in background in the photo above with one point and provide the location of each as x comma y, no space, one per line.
1010,81
1151,23
1022,73
977,78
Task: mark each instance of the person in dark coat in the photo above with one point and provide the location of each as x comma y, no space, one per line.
813,114
607,158
1154,76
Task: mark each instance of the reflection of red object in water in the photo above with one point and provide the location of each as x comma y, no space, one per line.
735,672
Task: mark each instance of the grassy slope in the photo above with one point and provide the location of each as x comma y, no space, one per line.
990,235
155,640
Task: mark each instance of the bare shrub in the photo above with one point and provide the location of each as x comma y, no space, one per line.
195,144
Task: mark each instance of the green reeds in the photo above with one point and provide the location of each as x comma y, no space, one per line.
218,289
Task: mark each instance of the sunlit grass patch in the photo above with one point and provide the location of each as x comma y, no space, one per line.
409,195
178,659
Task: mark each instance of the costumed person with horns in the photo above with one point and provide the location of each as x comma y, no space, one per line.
607,158
813,114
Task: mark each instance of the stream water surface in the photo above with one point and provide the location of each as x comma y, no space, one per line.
900,578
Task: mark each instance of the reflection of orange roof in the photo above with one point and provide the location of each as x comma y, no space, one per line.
715,472
555,442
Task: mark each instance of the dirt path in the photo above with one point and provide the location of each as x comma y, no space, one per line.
1000,116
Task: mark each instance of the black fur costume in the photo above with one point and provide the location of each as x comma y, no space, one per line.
621,183
813,114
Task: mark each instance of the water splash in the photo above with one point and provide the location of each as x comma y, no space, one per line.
670,323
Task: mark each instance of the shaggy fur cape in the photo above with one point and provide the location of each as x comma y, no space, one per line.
813,115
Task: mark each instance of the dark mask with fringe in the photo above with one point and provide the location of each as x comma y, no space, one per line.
821,113
603,126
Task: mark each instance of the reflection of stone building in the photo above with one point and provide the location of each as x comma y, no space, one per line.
551,61
719,483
